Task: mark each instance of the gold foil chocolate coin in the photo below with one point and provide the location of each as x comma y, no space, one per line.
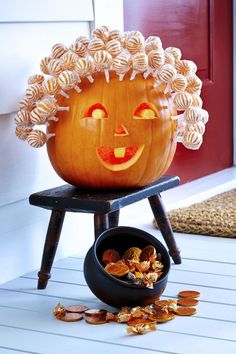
188,302
185,311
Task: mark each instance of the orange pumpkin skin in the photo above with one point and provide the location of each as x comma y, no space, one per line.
76,151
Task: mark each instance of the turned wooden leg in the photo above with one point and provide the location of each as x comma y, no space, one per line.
50,247
100,224
113,218
164,225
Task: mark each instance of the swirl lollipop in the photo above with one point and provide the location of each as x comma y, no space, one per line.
194,84
26,105
55,67
67,81
176,52
101,33
78,48
169,58
58,50
48,108
51,87
35,79
139,64
205,116
84,67
192,140
22,133
180,131
156,60
84,40
152,43
192,115
68,60
179,83
134,44
103,61
182,101
198,127
166,75
22,119
115,35
37,138
196,101
113,47
185,67
121,65
44,65
95,45
34,92
37,118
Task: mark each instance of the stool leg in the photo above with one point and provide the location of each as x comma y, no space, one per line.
163,222
113,218
100,224
50,247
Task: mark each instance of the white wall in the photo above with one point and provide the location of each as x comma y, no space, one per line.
234,89
26,35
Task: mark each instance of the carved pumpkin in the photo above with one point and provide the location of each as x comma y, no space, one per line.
115,135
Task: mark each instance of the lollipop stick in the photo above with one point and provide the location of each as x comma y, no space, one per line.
134,73
62,93
50,135
168,88
107,77
147,73
55,119
90,79
77,89
63,108
121,76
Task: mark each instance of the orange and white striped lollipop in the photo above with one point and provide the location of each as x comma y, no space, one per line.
22,133
176,52
191,115
84,67
101,33
139,64
68,60
51,87
67,81
179,83
55,67
121,64
205,116
166,75
34,92
156,60
194,84
26,105
134,43
37,118
37,138
113,47
47,107
35,79
115,35
44,65
180,131
198,127
22,119
169,58
84,40
58,50
185,67
95,45
78,48
196,101
103,61
192,140
152,43
182,100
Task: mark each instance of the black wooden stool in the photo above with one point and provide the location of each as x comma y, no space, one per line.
105,205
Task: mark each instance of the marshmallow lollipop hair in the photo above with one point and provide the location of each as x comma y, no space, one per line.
110,50
37,138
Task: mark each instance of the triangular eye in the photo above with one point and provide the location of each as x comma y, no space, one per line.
145,111
97,111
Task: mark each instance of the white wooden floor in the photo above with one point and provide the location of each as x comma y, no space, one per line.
209,265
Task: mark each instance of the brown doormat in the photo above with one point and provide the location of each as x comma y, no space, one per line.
214,217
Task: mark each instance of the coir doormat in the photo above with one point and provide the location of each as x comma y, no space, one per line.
213,217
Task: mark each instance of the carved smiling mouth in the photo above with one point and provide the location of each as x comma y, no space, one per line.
120,158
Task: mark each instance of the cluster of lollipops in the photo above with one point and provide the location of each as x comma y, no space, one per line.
110,50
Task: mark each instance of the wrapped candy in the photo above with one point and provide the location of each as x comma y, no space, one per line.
182,100
156,60
198,127
26,105
121,65
67,81
34,92
51,87
95,45
192,140
68,60
22,119
35,79
113,47
185,67
134,43
152,43
58,50
44,65
166,75
78,48
84,67
22,133
101,33
194,84
179,83
37,138
176,52
55,67
103,61
139,64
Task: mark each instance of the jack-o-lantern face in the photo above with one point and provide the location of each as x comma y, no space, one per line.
116,134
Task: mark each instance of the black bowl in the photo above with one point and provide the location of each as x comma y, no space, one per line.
111,290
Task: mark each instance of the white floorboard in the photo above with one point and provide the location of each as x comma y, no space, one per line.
209,265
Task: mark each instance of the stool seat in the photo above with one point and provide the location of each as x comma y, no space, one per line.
105,205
